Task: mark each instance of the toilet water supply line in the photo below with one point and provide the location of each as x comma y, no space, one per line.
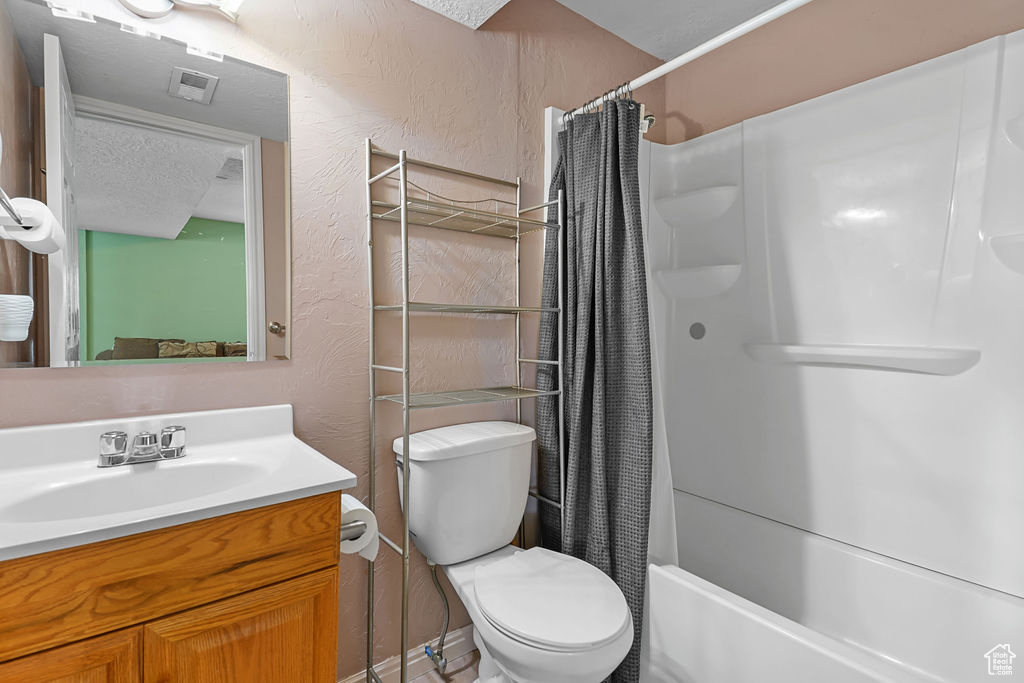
437,656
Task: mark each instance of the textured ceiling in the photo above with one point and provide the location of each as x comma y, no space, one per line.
110,64
663,28
140,181
224,201
471,13
668,28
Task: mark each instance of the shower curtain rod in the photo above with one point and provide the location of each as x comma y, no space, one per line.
699,51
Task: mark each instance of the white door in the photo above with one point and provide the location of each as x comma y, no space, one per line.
59,120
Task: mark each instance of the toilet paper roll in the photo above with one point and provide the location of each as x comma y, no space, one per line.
368,544
46,235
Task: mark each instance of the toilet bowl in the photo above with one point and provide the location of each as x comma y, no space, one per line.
538,616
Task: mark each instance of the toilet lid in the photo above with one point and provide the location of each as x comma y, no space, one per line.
551,600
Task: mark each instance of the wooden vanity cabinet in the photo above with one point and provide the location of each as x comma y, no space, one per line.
286,632
248,597
112,658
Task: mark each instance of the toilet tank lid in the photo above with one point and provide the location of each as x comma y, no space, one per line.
461,440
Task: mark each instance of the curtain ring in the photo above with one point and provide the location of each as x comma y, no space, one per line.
632,104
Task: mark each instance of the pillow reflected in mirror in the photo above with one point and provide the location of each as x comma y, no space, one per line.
179,349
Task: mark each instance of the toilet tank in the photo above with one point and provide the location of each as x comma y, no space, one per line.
468,485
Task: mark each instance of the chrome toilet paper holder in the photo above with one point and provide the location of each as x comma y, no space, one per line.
353,530
12,212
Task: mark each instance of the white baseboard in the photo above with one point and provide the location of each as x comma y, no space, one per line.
457,644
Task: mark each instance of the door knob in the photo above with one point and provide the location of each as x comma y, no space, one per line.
276,328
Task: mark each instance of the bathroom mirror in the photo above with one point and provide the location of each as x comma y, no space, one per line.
167,167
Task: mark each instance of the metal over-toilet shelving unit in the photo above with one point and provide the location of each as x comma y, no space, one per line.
436,212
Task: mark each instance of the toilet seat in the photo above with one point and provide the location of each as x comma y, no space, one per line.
551,601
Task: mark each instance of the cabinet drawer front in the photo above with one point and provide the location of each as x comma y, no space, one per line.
286,633
113,658
69,594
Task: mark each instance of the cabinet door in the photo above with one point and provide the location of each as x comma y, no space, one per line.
284,633
113,658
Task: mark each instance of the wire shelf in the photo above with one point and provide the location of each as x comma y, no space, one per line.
432,214
467,216
462,397
421,307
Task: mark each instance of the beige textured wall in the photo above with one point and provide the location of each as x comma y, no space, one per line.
410,79
819,48
16,132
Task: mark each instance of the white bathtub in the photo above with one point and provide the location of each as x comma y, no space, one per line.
697,632
930,624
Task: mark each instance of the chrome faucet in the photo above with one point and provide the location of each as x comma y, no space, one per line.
146,447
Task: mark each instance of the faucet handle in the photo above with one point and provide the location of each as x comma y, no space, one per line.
113,443
113,449
172,442
144,444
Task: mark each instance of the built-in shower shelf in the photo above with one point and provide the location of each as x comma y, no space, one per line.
1009,249
696,206
461,397
698,281
421,307
923,360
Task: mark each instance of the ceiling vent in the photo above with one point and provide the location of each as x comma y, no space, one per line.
231,170
192,85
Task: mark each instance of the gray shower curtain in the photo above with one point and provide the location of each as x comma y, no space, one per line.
607,360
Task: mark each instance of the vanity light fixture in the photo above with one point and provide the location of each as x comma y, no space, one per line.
156,9
149,9
65,12
140,31
196,51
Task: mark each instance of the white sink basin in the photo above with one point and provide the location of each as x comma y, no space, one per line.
53,495
135,487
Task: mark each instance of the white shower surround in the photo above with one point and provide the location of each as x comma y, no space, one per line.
871,499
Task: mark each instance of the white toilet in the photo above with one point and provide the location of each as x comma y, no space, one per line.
538,616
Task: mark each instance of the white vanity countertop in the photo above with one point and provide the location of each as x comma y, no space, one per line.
52,494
